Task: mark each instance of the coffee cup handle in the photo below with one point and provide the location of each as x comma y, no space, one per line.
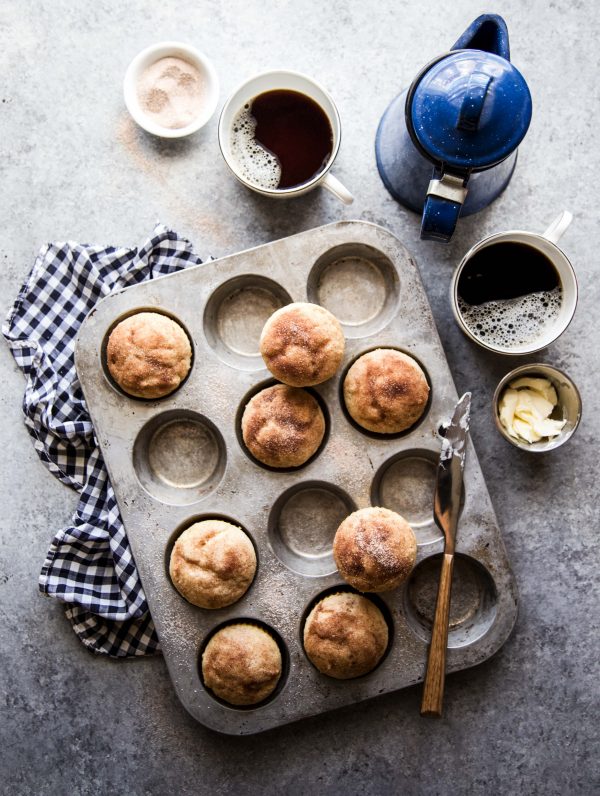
558,227
335,187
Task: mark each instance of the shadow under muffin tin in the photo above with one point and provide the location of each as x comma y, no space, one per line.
181,459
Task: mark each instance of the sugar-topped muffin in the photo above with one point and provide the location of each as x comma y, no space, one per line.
283,426
302,344
148,355
374,549
386,391
212,563
242,664
345,635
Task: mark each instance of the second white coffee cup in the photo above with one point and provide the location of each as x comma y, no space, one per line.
290,81
546,244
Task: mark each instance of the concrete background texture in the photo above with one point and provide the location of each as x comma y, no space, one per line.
74,166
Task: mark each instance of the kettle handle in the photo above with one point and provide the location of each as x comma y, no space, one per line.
489,33
445,197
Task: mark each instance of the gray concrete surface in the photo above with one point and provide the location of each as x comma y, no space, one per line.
73,166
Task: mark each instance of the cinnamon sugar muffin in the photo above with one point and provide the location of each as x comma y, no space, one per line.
386,391
302,344
242,664
374,549
345,635
148,355
283,426
212,564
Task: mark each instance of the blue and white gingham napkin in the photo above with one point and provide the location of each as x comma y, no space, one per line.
89,565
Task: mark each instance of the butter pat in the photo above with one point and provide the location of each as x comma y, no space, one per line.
537,384
525,408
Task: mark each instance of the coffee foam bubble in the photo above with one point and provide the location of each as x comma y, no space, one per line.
254,163
512,322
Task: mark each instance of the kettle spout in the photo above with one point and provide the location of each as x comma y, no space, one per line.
489,33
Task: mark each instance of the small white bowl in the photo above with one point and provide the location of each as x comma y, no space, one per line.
150,55
569,406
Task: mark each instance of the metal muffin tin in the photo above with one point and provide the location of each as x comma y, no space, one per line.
181,458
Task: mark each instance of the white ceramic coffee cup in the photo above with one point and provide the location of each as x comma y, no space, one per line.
292,81
546,243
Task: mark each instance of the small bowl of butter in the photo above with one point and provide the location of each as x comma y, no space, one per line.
537,408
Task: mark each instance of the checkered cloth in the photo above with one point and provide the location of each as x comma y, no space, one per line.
89,565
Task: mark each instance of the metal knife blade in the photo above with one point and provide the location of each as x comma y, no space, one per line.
448,487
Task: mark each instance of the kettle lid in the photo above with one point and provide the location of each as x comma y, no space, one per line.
469,110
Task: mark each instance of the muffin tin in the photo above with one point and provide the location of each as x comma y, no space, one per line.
180,459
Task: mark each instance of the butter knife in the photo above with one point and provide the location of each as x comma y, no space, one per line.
446,506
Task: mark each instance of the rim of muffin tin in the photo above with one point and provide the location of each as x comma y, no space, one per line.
259,387
394,598
377,434
104,360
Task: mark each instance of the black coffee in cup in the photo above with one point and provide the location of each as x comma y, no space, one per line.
509,293
281,139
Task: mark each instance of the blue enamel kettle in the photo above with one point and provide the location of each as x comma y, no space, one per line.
447,146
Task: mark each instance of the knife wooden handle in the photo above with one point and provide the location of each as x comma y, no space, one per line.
433,688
